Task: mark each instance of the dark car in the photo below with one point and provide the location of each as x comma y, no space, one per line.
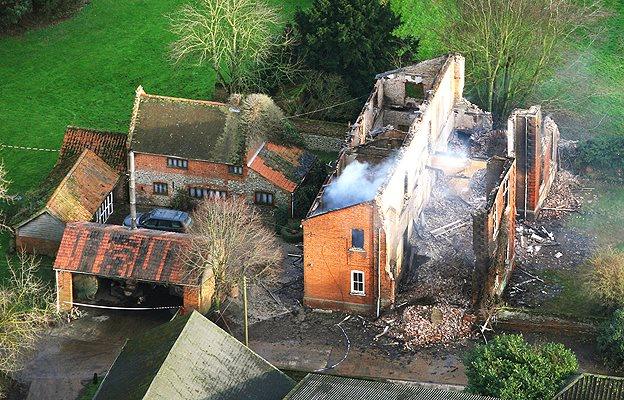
162,219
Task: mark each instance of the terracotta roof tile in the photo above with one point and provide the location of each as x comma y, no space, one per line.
109,146
285,166
118,252
83,189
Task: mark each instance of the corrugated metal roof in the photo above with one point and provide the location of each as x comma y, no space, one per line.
191,358
593,387
328,387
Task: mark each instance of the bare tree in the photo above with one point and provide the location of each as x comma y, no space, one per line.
26,306
229,241
242,40
511,45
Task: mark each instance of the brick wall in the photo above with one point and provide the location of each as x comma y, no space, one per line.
535,148
329,259
494,230
39,246
64,290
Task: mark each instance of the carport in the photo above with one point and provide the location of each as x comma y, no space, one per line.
140,261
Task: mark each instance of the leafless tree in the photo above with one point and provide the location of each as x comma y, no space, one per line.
242,40
229,241
26,306
511,45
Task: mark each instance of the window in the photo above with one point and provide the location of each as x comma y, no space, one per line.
161,188
177,162
263,198
414,90
357,283
235,169
200,193
105,209
357,239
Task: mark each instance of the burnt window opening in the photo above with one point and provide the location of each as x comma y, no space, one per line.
357,239
357,283
414,90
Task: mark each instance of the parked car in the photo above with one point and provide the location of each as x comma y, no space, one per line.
162,219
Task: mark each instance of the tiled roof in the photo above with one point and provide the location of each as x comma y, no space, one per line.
593,387
118,252
286,167
191,358
83,189
328,387
193,129
109,146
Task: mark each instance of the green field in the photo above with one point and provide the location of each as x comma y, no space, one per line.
84,71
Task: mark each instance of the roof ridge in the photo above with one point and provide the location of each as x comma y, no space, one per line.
65,178
93,130
182,99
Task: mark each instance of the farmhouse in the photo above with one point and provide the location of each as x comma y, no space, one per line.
139,261
424,192
79,188
198,147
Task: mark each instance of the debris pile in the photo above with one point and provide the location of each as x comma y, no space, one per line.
532,240
424,326
561,198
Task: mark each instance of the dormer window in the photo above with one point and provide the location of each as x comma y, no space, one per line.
235,169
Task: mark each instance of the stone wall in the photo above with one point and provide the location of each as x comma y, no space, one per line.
321,135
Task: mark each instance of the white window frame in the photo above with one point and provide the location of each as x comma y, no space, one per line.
176,162
235,169
355,291
263,195
206,193
105,210
162,185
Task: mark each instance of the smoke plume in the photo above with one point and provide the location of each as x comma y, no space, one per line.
357,183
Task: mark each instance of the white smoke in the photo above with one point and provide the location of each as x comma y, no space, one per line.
357,183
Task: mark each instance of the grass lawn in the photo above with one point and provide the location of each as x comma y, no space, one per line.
84,71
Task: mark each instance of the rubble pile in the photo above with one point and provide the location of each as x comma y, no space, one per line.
488,143
561,198
427,325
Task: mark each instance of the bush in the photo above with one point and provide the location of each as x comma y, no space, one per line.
12,11
316,91
511,369
605,277
611,338
182,200
307,192
291,235
281,218
604,152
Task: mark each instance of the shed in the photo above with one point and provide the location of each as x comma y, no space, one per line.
78,189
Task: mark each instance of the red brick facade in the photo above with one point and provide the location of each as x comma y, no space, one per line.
330,259
38,246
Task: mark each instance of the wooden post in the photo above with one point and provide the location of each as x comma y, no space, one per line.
245,322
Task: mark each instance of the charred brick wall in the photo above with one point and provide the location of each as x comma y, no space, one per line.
535,142
494,233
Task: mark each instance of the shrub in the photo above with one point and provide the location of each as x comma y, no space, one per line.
315,92
281,218
611,338
605,277
511,369
291,235
182,200
604,152
12,11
